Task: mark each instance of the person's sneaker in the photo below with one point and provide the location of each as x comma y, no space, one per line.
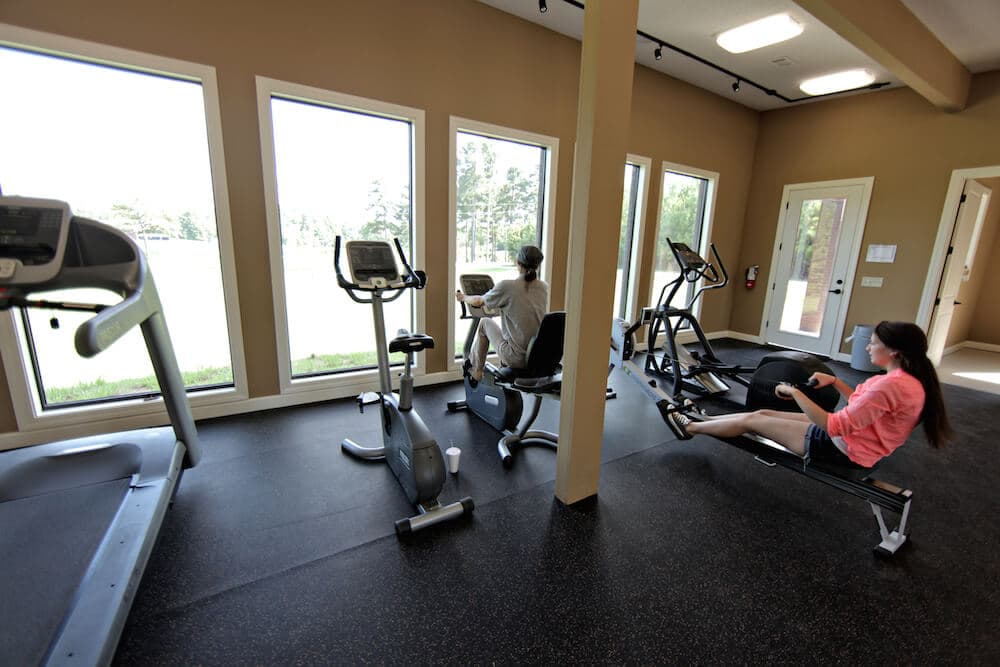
678,423
691,407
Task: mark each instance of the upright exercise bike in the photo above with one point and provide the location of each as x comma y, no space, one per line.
407,445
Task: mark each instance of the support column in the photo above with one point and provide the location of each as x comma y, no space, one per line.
605,101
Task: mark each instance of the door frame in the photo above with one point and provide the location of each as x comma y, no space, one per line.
867,183
946,227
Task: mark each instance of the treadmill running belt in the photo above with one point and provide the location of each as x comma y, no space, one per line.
46,545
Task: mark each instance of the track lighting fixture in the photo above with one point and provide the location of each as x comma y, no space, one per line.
739,80
542,7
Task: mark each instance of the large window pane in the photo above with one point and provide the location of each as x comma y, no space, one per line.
627,239
499,203
338,172
129,149
682,215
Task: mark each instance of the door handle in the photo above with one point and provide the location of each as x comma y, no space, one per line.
835,291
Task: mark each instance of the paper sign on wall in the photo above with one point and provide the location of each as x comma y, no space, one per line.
885,254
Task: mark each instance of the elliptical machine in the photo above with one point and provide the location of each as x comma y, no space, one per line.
704,373
407,445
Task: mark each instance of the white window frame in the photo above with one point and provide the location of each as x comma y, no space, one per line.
128,412
645,166
348,382
707,224
457,124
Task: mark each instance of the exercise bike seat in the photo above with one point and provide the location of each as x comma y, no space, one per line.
545,350
411,342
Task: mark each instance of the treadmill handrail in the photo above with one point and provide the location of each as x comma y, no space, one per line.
100,256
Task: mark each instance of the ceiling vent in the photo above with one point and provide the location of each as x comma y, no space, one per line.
783,61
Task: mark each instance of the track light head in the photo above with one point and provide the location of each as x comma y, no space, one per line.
658,53
736,86
542,7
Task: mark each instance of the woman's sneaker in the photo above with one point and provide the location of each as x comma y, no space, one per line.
678,423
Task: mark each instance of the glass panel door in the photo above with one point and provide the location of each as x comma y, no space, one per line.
810,276
811,273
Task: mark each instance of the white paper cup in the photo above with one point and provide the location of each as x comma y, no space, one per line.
452,454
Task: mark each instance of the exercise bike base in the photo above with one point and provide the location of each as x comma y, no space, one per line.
541,438
362,452
432,515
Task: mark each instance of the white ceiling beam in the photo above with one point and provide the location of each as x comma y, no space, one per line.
889,33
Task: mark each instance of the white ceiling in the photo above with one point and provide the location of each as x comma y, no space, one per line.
970,28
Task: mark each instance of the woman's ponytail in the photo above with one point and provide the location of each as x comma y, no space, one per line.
529,257
910,342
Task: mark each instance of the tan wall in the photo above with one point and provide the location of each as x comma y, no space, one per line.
448,58
985,321
910,148
970,293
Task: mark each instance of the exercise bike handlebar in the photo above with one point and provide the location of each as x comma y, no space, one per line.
410,280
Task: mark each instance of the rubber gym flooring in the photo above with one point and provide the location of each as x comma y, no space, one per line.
280,549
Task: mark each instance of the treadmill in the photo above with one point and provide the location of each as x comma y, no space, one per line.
79,518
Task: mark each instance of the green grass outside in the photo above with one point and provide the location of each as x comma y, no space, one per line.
100,388
317,363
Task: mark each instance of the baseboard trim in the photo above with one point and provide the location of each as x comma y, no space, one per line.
738,335
971,344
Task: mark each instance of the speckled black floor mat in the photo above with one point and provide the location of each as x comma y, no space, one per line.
280,550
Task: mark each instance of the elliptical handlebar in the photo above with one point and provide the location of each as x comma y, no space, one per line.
409,280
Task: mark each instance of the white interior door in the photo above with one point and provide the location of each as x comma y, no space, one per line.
957,264
814,264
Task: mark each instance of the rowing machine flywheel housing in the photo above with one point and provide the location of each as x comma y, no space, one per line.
793,367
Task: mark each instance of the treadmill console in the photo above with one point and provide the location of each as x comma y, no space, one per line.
372,262
33,236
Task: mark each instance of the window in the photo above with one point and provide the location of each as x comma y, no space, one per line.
334,165
501,201
633,209
686,205
133,149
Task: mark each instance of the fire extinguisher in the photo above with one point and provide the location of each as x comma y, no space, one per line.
752,276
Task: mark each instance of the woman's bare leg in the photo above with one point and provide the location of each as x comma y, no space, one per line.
790,433
489,332
777,414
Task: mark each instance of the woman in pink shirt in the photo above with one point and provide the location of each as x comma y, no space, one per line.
879,416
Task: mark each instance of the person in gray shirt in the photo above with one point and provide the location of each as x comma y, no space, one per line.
522,303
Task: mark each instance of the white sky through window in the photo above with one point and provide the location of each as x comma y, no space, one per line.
101,113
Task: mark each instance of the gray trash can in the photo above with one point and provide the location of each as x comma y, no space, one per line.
860,361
